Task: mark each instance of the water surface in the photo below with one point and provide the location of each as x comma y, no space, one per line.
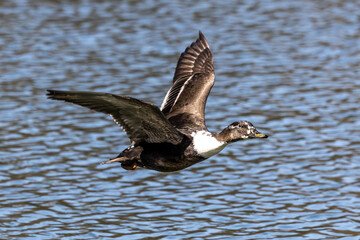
289,67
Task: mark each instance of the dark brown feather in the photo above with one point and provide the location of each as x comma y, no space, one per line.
142,122
193,80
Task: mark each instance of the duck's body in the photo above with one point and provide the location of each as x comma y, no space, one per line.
175,136
167,157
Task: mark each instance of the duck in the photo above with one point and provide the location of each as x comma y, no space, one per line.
174,136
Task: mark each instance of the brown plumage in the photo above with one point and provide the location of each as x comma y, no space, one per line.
193,79
175,136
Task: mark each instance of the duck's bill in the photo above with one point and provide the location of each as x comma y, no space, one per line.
260,135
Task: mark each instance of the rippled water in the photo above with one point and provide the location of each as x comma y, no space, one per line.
290,67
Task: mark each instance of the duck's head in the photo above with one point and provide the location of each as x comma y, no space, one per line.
240,131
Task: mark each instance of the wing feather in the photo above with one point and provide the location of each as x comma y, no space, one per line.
142,122
194,70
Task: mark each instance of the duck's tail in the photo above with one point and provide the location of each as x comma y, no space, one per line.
125,162
117,159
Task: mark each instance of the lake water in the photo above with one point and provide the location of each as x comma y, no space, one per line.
289,67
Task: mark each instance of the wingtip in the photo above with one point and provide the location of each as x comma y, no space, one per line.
201,35
202,38
54,94
50,93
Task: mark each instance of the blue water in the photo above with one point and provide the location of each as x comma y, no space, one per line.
289,67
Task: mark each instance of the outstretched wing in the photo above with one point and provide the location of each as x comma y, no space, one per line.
184,104
142,122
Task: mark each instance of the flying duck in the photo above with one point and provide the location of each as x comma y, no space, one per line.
174,136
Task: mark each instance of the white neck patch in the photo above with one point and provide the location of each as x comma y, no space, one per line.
206,145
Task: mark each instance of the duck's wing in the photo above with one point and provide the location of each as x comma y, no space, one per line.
142,122
184,104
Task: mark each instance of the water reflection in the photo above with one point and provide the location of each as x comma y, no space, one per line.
290,67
